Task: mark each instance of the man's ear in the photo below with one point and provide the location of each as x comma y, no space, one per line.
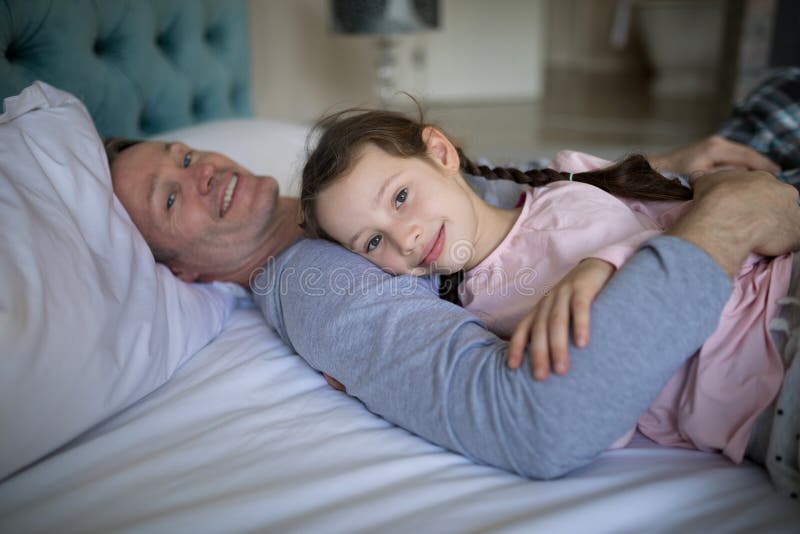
184,274
440,149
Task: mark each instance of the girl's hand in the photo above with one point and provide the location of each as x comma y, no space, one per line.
547,326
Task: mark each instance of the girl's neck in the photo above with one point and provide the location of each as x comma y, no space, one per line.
493,225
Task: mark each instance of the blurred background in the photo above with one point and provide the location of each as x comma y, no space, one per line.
514,80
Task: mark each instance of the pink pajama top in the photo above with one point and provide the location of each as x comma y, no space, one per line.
712,401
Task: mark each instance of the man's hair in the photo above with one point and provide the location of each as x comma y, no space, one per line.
114,146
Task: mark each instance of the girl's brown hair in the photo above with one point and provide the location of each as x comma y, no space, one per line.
345,133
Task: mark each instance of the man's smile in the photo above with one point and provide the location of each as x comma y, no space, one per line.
227,197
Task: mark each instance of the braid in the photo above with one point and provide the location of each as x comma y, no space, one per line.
344,134
632,177
533,178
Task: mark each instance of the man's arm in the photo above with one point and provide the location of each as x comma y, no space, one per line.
735,213
432,368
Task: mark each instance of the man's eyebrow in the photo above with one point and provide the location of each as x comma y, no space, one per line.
375,202
151,190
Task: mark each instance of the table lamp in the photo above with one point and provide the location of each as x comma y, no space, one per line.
384,18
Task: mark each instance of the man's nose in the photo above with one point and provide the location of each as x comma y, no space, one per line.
202,177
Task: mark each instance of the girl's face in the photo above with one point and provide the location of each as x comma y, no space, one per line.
406,215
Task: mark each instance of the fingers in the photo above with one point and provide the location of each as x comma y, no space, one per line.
334,383
546,329
558,331
726,153
581,305
519,340
539,344
710,153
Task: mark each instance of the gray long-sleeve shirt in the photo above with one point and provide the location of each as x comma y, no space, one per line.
433,368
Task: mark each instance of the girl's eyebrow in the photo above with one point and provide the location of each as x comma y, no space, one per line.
383,187
375,202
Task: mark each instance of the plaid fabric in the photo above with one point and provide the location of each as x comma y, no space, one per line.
768,120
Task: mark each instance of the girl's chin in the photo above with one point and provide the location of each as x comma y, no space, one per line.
433,269
420,271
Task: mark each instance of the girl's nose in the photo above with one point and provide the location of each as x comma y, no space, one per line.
409,238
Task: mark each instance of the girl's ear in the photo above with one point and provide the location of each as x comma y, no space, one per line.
440,149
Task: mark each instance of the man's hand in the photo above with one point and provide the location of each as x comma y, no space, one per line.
711,154
335,384
738,212
546,327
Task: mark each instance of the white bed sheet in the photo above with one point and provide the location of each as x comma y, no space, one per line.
247,437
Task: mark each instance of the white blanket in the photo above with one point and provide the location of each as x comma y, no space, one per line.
247,437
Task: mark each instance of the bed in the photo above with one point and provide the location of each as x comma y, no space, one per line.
130,401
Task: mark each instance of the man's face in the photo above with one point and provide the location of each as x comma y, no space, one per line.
210,215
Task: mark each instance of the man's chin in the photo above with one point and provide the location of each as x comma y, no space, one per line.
263,196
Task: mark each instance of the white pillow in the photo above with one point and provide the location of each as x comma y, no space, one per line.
262,146
88,322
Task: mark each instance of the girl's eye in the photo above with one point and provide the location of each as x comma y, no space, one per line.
170,200
373,243
400,198
187,159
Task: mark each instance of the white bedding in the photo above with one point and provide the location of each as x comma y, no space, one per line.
247,437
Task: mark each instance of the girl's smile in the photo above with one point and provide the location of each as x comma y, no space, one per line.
394,211
434,249
411,215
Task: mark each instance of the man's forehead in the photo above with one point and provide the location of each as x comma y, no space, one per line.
133,175
140,162
137,156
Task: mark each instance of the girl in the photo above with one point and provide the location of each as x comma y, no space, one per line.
409,210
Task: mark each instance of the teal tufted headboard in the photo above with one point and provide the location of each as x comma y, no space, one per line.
140,66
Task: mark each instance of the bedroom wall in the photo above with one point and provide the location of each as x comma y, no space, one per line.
301,69
510,80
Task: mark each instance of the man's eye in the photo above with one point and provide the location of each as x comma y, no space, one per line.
170,200
401,197
187,159
373,243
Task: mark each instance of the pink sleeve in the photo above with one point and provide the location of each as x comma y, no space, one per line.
619,252
581,221
572,161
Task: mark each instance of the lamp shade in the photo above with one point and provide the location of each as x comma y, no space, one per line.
384,16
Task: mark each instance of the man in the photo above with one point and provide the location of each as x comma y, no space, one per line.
429,366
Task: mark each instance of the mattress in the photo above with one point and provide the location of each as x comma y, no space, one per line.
247,437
